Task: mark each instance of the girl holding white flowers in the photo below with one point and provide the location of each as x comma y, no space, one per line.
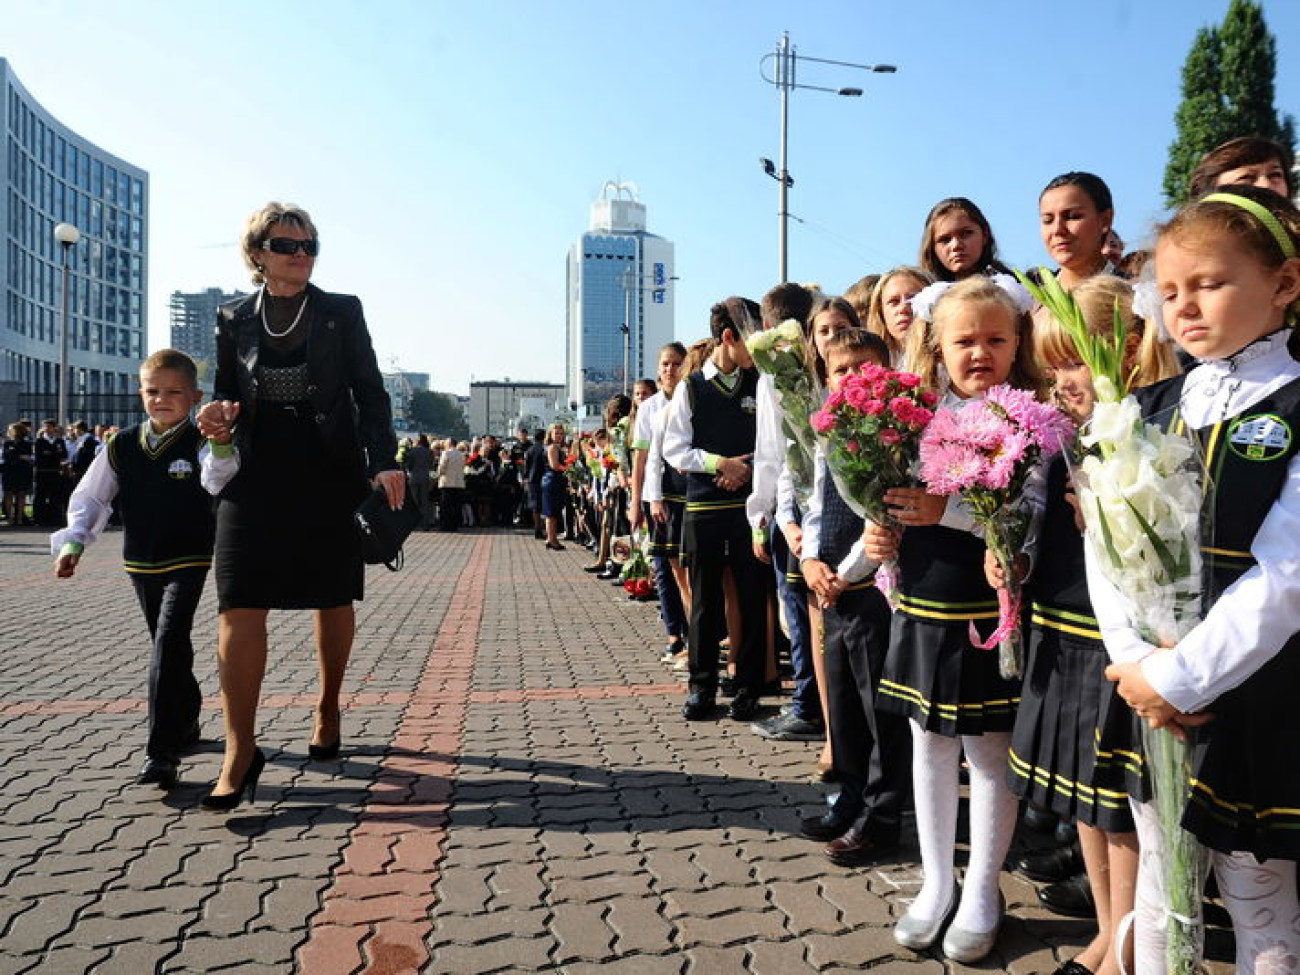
1066,701
1228,270
976,337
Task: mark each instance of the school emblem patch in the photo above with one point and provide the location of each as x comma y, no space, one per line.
749,404
180,469
1263,437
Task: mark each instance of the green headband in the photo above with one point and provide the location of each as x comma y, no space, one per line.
1270,222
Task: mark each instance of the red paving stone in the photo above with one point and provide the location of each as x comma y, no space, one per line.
376,913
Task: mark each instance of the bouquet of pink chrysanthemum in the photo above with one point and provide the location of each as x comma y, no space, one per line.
985,451
871,428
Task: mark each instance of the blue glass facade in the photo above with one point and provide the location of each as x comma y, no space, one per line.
52,175
604,303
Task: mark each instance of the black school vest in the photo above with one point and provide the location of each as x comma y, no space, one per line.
839,528
1058,588
723,423
1246,456
167,516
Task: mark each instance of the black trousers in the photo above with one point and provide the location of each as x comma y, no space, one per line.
873,750
712,544
449,503
169,600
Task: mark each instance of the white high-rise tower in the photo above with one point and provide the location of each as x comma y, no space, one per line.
620,299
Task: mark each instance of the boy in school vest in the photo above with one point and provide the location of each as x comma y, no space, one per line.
709,435
152,469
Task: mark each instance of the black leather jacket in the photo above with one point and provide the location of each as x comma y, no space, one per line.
351,407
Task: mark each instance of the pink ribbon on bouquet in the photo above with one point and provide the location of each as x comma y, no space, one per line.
887,582
1008,620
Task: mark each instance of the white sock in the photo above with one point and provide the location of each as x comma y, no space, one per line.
992,821
934,785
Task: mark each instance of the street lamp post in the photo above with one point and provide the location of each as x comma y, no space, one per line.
783,78
67,235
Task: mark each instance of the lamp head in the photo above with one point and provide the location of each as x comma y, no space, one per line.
66,234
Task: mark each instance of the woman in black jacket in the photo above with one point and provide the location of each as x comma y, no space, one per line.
298,383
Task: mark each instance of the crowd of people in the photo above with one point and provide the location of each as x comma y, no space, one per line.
38,472
696,470
763,570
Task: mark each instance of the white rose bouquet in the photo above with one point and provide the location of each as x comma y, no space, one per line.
779,352
1141,490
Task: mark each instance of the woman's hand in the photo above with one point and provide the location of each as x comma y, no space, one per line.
216,420
880,543
394,485
914,507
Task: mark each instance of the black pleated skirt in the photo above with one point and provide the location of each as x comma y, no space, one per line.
666,537
285,538
934,676
1066,707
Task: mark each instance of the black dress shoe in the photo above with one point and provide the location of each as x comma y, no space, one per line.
744,705
159,772
1040,820
1072,967
699,706
856,849
1071,898
325,753
1047,868
825,828
593,568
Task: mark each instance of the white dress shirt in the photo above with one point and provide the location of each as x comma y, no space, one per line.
1259,612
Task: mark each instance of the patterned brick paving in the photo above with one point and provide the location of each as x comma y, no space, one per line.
517,793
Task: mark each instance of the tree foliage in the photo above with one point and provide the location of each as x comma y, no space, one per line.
1228,87
438,413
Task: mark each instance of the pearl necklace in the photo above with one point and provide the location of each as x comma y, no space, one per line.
292,325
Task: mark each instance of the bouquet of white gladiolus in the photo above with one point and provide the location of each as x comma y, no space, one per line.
1141,490
779,352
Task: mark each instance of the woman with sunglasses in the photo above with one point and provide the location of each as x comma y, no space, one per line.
298,386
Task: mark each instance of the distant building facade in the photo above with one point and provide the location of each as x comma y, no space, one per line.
194,325
495,407
400,385
52,175
620,300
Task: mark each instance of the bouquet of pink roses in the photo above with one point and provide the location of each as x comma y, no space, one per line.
985,451
870,429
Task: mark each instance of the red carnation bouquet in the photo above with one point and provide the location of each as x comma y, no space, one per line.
871,432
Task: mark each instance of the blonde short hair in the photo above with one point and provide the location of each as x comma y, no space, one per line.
257,228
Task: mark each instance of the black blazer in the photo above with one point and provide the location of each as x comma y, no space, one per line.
351,407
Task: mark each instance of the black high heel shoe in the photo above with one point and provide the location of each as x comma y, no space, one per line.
230,800
323,753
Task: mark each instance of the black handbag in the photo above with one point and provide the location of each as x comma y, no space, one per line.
382,531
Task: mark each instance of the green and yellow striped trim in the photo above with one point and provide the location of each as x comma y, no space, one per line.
155,568
714,505
1232,812
1075,624
931,609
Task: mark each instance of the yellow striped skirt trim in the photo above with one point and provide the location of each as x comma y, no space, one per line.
913,696
714,505
1109,798
1200,788
157,568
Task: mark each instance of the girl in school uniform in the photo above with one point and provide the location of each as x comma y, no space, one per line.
979,333
1228,273
1066,702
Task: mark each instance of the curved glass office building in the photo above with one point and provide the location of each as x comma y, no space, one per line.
52,175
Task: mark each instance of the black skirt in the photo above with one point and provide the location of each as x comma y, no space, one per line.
1066,706
934,676
285,538
1246,765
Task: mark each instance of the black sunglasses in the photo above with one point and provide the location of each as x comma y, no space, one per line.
291,245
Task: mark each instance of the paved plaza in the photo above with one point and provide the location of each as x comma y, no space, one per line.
517,792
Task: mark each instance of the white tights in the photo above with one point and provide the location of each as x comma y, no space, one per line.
1261,897
935,761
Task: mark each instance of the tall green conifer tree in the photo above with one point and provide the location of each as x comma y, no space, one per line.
1228,81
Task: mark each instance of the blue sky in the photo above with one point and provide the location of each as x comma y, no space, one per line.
449,151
